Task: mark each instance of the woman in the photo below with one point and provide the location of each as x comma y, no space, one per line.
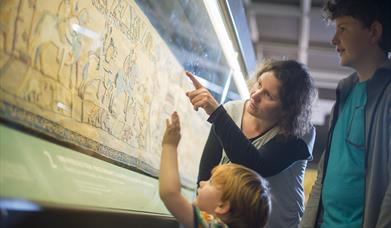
265,133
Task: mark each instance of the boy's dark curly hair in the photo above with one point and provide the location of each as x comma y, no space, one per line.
365,11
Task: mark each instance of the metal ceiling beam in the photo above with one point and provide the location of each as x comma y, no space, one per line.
253,27
314,48
304,35
282,46
326,79
276,9
273,9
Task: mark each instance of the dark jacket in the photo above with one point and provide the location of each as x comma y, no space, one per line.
377,202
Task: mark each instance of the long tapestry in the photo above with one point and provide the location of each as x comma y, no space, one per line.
95,74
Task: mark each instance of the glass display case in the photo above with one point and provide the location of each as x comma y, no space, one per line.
86,86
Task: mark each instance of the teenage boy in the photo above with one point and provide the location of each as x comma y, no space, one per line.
353,185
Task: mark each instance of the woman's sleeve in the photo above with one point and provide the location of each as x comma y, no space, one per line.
272,158
211,156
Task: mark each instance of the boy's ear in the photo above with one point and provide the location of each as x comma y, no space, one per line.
376,31
223,208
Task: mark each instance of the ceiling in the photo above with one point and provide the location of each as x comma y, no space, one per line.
295,29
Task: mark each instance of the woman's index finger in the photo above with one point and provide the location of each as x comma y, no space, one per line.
196,83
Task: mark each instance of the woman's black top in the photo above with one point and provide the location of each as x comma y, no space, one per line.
277,154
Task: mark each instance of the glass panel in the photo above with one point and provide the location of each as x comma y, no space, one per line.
187,29
101,76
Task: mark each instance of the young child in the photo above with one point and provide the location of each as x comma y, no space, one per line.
234,196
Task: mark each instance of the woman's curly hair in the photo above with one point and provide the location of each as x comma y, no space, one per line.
297,94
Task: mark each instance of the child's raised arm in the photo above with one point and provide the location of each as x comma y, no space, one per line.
169,181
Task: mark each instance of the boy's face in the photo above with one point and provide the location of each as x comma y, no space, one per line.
209,197
352,41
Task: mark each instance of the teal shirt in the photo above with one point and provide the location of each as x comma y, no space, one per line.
343,188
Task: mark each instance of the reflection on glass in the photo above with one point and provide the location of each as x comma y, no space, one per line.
18,205
188,31
97,76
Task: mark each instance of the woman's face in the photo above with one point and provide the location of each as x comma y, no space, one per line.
264,100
